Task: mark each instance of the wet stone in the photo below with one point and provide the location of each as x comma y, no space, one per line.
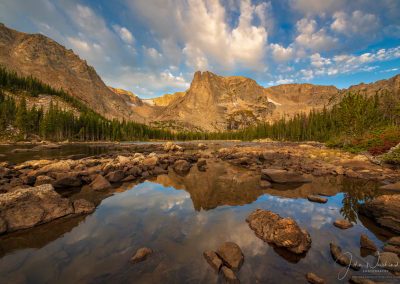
314,279
213,259
317,199
342,224
141,254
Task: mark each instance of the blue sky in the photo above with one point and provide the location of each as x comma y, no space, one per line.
152,47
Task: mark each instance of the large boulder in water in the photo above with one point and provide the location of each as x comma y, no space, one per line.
385,210
27,207
283,176
231,255
182,167
282,232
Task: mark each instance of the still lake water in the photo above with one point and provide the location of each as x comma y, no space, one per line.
179,218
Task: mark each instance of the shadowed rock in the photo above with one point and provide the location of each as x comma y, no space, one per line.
342,258
229,275
213,259
283,176
182,167
385,210
282,232
100,183
366,243
231,255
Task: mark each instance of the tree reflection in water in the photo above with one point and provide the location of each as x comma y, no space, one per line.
356,192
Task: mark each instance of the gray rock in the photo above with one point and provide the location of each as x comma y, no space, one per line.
342,258
213,259
27,207
342,224
231,255
283,176
314,279
141,254
316,198
282,232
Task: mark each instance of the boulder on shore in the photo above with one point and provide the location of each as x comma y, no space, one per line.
282,232
385,210
27,207
283,176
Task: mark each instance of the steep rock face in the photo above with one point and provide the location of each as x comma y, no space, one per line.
165,100
50,62
128,96
214,102
391,85
291,99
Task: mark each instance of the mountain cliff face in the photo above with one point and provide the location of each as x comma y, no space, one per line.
50,62
218,103
391,85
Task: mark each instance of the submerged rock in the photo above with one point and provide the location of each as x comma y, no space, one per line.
202,165
27,207
342,258
100,183
141,254
385,210
282,232
366,243
231,255
182,167
316,198
229,275
265,184
283,176
360,280
314,279
213,259
342,224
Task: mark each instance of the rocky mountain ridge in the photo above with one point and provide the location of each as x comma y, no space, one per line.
212,102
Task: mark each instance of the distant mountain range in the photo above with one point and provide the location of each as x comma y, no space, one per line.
211,103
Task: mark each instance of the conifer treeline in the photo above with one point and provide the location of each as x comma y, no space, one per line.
58,124
354,115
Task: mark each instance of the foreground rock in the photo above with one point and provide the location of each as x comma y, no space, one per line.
182,167
360,280
282,232
317,199
100,183
366,243
213,259
141,254
28,207
283,176
231,255
314,279
385,210
202,165
342,224
342,258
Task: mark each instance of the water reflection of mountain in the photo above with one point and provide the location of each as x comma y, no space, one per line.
219,185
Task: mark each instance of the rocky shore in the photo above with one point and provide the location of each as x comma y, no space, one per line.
274,162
